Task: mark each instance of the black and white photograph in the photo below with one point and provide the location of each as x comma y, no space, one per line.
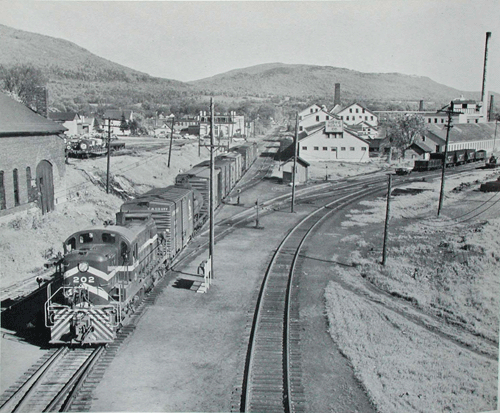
250,206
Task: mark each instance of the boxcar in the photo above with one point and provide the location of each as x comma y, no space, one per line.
199,179
230,165
172,209
238,164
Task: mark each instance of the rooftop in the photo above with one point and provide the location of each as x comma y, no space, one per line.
17,119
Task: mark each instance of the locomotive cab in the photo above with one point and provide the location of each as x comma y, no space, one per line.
104,270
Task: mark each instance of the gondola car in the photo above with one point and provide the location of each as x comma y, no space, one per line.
453,158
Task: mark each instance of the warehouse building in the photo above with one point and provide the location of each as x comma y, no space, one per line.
32,159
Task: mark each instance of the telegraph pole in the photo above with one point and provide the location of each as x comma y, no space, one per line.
449,111
386,226
295,145
109,155
171,139
212,189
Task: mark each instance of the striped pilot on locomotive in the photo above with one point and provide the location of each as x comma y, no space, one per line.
105,270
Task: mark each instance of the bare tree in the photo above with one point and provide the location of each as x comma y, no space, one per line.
402,131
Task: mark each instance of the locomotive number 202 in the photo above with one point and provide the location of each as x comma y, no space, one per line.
78,280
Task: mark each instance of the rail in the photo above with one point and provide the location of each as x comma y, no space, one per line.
269,369
53,385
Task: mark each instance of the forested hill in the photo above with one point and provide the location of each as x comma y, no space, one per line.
307,80
75,75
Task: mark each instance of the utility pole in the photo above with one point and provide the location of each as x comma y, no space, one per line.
295,147
171,139
449,111
109,155
386,226
212,189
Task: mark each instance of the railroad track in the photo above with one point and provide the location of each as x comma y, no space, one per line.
52,385
272,376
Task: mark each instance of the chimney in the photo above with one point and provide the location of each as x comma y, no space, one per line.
421,106
336,99
483,91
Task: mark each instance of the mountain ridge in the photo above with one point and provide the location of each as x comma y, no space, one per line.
77,77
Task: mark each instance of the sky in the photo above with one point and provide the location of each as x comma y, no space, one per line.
440,39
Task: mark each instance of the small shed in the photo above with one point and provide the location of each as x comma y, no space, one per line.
32,159
301,171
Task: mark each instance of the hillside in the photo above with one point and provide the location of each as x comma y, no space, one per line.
75,75
307,80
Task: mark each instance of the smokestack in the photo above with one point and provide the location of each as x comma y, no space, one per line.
421,106
336,99
483,91
490,113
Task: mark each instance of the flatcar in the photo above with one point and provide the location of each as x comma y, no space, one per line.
106,270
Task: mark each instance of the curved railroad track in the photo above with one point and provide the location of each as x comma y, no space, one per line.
272,376
54,383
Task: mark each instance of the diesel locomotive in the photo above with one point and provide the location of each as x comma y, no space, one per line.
106,270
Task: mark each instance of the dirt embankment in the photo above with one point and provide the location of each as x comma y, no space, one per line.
422,331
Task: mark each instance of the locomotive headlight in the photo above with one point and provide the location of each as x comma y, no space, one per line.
83,266
68,292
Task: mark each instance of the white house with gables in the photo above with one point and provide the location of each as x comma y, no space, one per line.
311,119
311,110
355,113
114,118
332,142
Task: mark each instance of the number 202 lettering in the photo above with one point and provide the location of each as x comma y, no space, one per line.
77,280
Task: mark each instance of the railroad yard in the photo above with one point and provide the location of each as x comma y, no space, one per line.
419,334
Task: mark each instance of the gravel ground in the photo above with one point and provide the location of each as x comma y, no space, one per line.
188,350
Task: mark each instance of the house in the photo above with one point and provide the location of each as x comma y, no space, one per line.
88,125
464,111
32,159
301,171
375,147
163,131
356,113
329,142
69,120
225,125
418,150
113,119
318,116
365,130
309,111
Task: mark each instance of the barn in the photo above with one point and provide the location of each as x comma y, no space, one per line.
32,160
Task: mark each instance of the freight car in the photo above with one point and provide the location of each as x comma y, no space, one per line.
453,158
106,270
